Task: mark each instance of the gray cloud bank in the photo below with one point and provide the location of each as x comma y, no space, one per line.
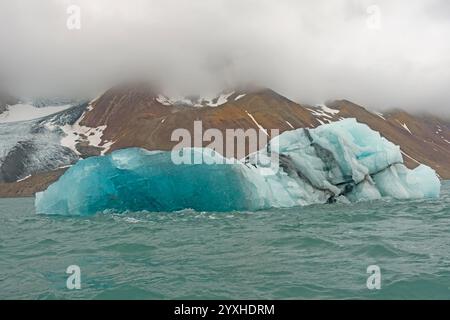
310,51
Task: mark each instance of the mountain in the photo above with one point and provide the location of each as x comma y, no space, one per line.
138,116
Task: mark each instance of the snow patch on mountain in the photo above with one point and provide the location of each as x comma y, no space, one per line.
164,100
206,101
379,114
222,99
77,133
290,125
256,122
409,157
324,112
404,126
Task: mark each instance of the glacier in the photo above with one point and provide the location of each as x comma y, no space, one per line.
343,161
34,145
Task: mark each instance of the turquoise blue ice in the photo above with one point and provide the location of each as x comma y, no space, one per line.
340,162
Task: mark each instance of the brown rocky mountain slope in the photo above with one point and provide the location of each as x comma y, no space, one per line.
29,187
137,117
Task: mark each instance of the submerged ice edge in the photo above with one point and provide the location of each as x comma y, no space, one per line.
344,161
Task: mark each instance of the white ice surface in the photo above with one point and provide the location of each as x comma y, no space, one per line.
26,112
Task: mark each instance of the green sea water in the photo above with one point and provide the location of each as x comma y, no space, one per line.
317,252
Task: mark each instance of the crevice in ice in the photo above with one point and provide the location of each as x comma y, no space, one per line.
324,154
289,167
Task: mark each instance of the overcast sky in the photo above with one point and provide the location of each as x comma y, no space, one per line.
310,51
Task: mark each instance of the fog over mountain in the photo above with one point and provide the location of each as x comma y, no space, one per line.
310,51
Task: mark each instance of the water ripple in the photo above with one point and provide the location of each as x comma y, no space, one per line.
299,253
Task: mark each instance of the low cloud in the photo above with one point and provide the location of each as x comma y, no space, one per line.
382,54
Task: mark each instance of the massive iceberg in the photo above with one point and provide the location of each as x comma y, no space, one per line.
343,161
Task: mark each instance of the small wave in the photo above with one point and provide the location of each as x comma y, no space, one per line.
129,248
